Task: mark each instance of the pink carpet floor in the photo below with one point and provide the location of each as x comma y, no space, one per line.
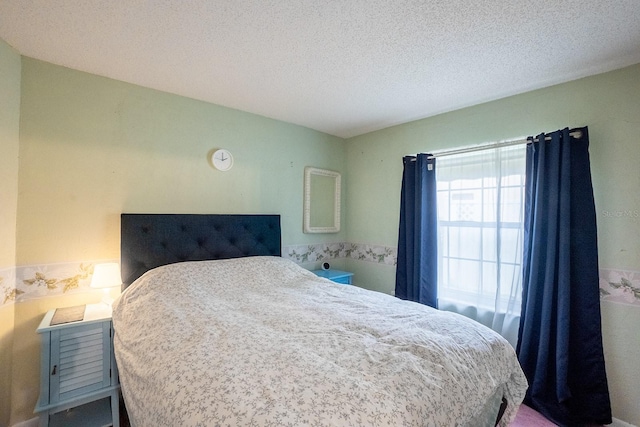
527,417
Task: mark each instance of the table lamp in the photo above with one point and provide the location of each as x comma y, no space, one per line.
105,276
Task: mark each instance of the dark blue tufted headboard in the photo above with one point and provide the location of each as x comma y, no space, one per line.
152,240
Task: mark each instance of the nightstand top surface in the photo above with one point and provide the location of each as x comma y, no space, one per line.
92,313
332,274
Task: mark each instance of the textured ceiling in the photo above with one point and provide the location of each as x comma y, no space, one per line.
342,67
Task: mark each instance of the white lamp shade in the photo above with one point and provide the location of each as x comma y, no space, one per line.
106,275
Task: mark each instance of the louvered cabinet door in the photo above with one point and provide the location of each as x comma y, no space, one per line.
79,384
80,361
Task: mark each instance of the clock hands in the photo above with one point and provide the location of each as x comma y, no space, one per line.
222,160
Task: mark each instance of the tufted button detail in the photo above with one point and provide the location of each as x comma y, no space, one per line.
194,237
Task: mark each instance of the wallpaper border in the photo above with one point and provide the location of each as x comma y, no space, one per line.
38,281
8,291
45,280
325,251
620,286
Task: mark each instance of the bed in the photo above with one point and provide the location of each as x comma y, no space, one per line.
214,328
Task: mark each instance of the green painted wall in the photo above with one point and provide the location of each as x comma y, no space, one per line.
91,148
9,142
608,103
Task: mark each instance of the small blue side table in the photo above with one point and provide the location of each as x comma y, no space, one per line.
79,385
337,276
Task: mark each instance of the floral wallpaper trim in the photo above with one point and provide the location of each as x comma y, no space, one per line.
36,281
315,252
8,291
325,251
374,253
622,286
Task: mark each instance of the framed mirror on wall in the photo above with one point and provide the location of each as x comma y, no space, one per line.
321,201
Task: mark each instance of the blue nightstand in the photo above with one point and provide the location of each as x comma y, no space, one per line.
78,375
337,276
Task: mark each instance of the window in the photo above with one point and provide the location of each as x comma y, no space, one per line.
480,231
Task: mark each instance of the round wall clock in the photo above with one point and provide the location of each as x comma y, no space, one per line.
222,159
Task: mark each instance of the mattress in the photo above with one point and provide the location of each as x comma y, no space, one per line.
260,341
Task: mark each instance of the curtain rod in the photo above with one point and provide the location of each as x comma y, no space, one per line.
576,134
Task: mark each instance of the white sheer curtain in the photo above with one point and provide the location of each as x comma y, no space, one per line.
480,235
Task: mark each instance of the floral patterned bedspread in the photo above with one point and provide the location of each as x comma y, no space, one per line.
262,342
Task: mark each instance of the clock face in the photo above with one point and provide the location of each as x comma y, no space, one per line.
222,160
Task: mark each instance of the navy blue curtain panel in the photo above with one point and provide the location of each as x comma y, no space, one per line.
417,269
560,337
